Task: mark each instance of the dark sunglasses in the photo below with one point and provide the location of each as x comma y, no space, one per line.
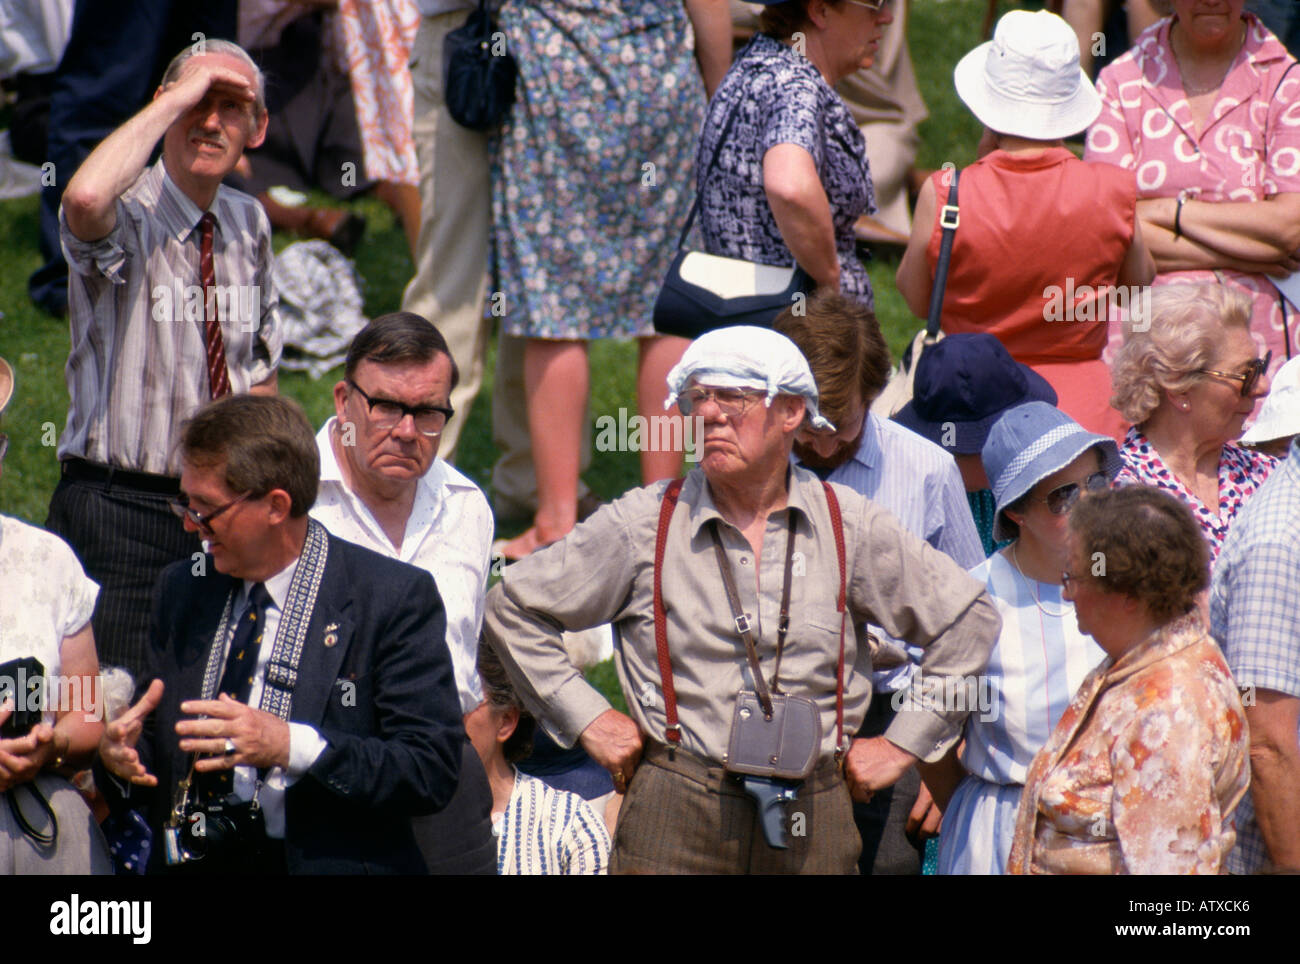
1061,499
1249,378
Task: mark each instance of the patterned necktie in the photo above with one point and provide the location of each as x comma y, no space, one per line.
241,662
218,376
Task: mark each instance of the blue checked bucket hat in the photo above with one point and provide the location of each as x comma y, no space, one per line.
1030,442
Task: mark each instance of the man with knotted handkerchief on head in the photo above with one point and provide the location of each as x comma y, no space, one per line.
738,597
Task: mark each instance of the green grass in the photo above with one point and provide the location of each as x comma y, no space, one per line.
37,344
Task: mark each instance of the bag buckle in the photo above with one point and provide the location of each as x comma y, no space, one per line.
949,217
742,623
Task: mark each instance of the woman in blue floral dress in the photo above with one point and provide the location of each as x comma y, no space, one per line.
590,185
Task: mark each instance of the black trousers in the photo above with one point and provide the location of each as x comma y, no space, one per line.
124,539
458,838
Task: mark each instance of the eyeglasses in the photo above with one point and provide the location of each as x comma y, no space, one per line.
1068,577
873,7
1249,378
731,402
1060,500
181,508
429,420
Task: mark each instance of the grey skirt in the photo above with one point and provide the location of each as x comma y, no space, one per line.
80,847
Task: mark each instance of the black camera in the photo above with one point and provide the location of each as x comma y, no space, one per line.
22,683
221,829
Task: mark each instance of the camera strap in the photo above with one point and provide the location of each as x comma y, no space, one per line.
281,674
672,730
742,618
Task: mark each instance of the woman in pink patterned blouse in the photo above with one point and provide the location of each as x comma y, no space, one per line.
1187,380
1144,770
1206,110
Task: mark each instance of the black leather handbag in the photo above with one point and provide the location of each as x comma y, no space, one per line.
479,77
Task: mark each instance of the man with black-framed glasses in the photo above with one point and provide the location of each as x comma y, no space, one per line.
383,486
299,708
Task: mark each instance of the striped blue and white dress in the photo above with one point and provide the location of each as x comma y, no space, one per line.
1037,664
549,831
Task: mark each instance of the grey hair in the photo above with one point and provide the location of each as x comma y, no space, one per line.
218,46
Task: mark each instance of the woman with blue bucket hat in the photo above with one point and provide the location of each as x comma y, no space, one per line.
1039,461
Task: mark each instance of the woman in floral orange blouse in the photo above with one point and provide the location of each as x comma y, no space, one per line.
1144,770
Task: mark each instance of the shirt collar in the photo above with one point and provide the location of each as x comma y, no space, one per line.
696,493
1160,67
440,476
869,449
178,213
277,586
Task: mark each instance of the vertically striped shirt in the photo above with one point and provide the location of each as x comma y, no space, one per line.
549,831
139,365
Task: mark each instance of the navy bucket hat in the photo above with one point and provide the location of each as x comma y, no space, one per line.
963,384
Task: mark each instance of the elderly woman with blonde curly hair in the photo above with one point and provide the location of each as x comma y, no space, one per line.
1187,382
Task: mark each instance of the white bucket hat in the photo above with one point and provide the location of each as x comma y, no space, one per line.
1026,81
1279,416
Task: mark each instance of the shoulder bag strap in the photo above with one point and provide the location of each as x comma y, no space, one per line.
672,732
713,160
837,526
949,217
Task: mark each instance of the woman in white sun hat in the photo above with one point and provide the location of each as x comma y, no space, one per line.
1042,238
1279,418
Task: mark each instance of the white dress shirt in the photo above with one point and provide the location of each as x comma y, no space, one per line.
448,534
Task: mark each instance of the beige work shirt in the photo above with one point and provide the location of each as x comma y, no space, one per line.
603,572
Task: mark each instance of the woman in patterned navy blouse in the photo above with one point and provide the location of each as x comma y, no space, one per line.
791,177
1187,382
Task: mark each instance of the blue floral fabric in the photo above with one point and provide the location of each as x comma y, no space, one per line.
779,97
591,171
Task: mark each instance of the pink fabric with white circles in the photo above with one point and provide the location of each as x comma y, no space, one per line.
1249,150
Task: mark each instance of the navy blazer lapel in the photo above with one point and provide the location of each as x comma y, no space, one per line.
329,634
197,622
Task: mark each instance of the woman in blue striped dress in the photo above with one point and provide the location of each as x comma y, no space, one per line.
1038,461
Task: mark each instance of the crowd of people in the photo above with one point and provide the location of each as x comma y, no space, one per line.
1038,619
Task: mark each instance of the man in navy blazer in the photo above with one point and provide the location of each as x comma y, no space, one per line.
301,707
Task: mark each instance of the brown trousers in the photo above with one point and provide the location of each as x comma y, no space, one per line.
685,816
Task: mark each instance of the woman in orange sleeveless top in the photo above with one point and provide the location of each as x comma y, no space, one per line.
1047,245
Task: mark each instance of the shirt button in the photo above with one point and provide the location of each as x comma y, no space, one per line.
744,560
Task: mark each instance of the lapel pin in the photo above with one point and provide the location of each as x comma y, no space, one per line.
331,637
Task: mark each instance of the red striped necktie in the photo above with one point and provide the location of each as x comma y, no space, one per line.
218,376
